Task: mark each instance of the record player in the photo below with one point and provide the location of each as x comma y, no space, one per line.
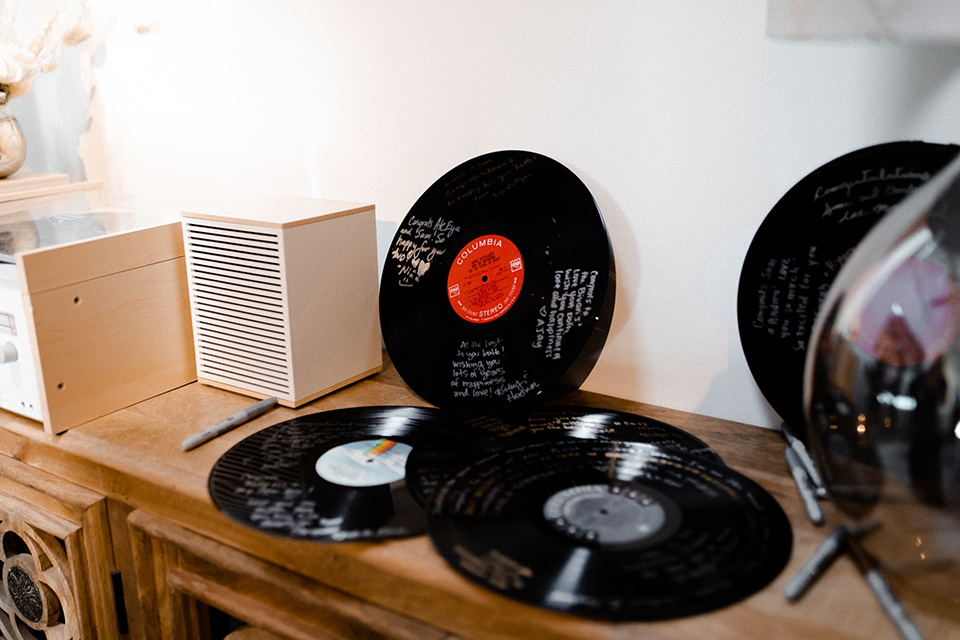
93,307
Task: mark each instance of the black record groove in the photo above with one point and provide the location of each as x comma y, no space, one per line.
336,476
499,285
434,463
611,530
801,245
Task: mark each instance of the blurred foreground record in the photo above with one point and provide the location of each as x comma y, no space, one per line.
336,475
611,530
499,285
434,463
800,246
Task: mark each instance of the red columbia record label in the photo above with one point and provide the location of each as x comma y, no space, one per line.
485,279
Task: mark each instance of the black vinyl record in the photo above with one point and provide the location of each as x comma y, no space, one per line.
610,530
335,476
498,288
434,463
801,245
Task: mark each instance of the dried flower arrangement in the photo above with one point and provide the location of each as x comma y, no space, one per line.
19,65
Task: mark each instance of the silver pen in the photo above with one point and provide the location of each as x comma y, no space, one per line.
822,557
223,426
802,481
883,592
816,564
804,456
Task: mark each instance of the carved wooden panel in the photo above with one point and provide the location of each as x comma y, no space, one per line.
55,559
36,597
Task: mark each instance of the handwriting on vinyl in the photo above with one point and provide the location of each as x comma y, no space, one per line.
477,366
478,371
489,178
570,303
561,422
871,193
793,287
420,242
270,492
791,291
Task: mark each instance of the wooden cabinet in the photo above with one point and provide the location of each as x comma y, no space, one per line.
113,510
182,573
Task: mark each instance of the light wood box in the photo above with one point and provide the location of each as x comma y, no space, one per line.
284,296
108,321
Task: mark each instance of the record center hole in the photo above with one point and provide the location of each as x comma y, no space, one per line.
484,278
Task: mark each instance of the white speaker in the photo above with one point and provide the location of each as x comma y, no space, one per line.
283,296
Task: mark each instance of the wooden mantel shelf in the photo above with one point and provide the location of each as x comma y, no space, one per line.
133,458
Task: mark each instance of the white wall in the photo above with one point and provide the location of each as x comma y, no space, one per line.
684,120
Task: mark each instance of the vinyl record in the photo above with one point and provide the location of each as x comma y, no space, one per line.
498,288
800,246
335,476
434,463
610,530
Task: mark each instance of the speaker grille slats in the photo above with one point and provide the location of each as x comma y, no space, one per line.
237,277
218,351
238,297
218,305
232,344
240,322
253,340
258,296
219,249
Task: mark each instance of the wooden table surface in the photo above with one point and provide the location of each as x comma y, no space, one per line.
134,455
